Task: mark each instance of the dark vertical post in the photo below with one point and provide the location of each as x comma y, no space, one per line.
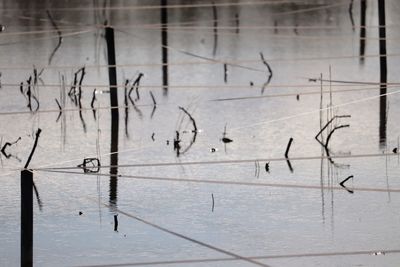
164,44
112,73
383,73
363,30
26,218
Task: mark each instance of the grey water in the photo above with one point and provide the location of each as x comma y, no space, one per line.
303,216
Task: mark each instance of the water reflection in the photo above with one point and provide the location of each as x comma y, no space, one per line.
164,44
383,74
363,30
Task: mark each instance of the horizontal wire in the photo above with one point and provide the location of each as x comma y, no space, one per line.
168,164
266,257
219,61
210,31
56,36
180,6
151,105
346,84
314,111
221,182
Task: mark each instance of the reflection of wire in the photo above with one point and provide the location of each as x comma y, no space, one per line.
166,164
192,180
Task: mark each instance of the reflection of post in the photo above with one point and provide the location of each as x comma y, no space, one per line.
383,72
112,73
363,29
26,218
164,44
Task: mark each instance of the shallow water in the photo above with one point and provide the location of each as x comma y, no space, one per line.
304,216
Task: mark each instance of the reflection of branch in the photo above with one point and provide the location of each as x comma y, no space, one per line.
60,39
351,14
287,154
154,104
269,70
194,131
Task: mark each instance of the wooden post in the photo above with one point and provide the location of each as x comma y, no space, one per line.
112,72
383,73
26,218
164,44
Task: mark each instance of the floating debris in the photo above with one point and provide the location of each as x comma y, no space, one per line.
7,144
379,253
213,150
80,213
395,150
224,138
90,165
251,83
152,137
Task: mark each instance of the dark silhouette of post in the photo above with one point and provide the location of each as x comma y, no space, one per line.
112,73
363,30
164,44
383,73
26,218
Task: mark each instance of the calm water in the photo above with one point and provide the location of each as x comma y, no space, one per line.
302,224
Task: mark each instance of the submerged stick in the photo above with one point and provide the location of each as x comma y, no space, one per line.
288,147
345,180
225,73
212,207
154,104
116,223
60,108
287,154
60,38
